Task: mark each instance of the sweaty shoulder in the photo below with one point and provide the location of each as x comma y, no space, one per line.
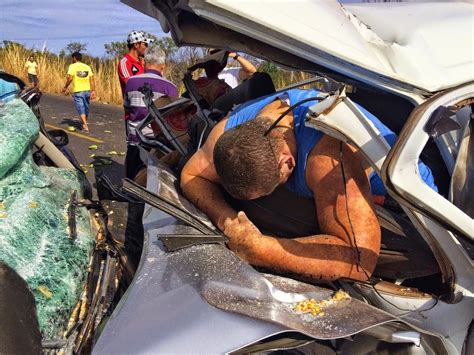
217,131
202,162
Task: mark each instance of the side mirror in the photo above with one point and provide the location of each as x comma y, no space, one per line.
58,137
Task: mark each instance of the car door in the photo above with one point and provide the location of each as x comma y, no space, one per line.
447,118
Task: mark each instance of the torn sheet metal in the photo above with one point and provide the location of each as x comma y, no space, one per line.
227,282
207,289
250,294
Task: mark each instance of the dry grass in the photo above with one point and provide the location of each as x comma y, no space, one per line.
52,71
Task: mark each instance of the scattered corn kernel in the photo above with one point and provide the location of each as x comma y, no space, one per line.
315,308
340,295
45,291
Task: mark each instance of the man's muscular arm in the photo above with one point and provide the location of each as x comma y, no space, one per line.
200,182
350,240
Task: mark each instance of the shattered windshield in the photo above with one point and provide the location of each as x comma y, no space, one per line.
35,226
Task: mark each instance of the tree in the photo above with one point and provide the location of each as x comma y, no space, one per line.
116,49
275,72
13,44
166,44
120,48
75,47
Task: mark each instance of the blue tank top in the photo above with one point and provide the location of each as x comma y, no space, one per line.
307,137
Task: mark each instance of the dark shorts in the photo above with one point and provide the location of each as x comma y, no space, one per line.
33,79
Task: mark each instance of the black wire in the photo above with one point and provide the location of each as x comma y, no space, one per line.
291,108
371,283
347,207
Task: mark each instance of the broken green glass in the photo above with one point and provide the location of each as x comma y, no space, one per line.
34,230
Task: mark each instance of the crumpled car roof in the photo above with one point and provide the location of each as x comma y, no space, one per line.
424,46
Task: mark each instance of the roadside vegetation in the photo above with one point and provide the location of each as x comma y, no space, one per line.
52,67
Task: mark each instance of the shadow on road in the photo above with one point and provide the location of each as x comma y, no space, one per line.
76,123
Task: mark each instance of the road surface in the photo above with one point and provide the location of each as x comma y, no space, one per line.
107,132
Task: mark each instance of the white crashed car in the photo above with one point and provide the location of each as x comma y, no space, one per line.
410,64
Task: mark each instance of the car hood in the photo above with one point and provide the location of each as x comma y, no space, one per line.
430,52
203,298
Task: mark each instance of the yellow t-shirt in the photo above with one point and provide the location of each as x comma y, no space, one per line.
81,74
31,67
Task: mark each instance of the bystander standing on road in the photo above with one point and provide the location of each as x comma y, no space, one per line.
134,104
32,71
132,63
82,78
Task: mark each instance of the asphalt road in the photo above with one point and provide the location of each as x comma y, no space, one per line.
107,132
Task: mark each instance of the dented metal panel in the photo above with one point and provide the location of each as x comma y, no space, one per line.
206,289
365,42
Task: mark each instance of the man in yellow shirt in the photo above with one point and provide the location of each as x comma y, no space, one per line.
83,87
32,70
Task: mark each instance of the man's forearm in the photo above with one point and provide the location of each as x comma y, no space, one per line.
68,81
207,196
318,257
246,65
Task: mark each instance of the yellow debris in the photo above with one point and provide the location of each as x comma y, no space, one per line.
45,291
112,152
71,129
92,156
3,215
121,153
315,308
93,147
340,295
107,131
2,206
33,204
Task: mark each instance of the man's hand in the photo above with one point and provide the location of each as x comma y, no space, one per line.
242,234
93,95
65,91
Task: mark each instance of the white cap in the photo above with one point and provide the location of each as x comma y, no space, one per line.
137,37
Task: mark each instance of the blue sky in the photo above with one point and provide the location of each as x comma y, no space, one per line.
59,22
